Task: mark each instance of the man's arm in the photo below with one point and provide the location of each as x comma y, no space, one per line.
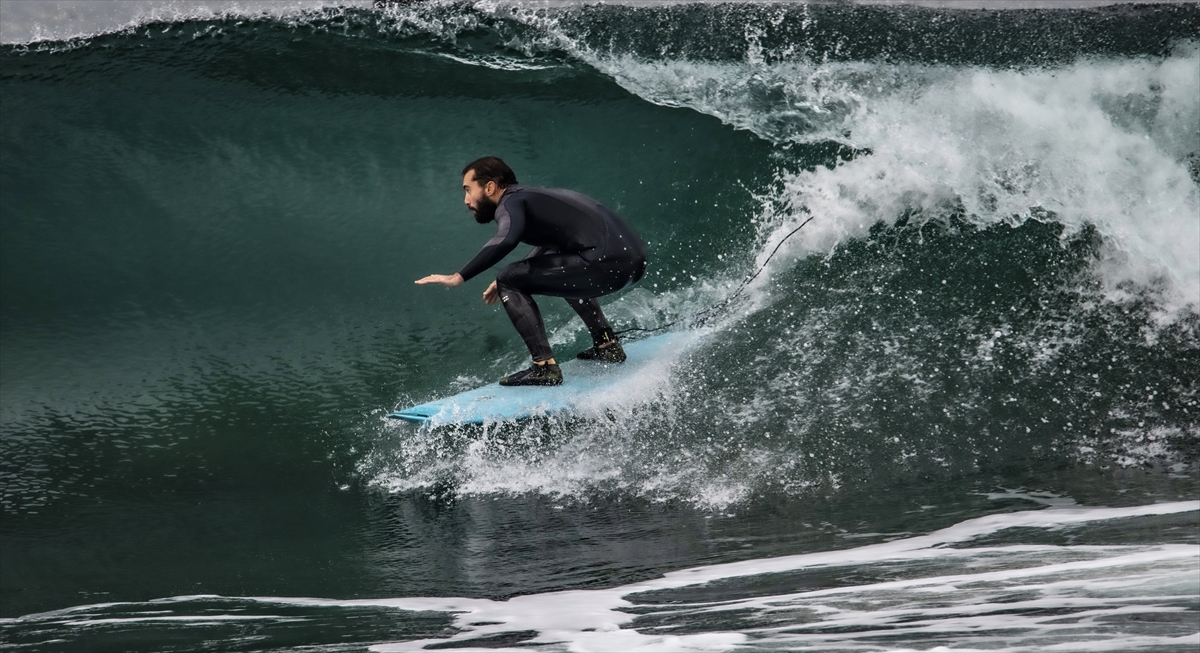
510,224
508,235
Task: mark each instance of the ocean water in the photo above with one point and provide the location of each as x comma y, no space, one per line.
957,410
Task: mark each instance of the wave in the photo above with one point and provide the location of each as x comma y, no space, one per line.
1092,124
1109,145
1034,32
999,272
989,583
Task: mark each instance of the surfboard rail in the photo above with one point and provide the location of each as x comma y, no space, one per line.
585,383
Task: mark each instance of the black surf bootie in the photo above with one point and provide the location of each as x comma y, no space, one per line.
547,374
610,354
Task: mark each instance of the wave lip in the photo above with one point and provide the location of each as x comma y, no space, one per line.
65,20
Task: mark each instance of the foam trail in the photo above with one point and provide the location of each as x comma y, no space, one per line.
501,461
946,588
998,597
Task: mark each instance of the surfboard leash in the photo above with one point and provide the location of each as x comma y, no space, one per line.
702,318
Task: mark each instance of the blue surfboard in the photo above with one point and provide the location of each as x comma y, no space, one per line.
586,385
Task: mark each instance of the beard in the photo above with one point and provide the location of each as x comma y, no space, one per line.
484,211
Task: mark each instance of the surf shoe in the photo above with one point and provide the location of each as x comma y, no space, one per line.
610,354
548,374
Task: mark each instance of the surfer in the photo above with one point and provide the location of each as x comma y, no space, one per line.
581,251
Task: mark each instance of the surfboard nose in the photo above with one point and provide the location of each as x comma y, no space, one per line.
416,414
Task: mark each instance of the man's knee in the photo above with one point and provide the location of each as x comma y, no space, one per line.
510,276
510,294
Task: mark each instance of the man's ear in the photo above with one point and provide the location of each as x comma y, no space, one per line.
489,188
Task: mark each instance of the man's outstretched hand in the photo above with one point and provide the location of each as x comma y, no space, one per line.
447,280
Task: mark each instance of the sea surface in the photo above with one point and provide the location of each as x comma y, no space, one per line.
956,410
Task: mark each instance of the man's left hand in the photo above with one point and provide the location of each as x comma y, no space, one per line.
447,280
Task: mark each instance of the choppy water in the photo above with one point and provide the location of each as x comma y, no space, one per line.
958,408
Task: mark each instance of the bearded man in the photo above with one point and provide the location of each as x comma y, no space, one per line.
581,251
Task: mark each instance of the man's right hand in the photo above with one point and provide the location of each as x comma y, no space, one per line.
491,295
447,280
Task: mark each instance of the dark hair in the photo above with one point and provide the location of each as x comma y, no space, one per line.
491,168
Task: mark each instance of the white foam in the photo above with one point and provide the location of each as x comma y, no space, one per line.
1099,142
947,590
967,609
601,448
944,592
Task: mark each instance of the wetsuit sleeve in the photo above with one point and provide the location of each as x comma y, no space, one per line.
536,251
510,224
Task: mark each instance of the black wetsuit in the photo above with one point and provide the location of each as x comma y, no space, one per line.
581,250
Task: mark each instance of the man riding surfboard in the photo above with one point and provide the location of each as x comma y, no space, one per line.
581,251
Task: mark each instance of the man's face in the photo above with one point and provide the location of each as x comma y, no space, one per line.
476,199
